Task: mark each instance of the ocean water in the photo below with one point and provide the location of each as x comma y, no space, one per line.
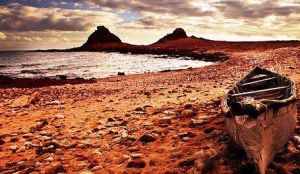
87,64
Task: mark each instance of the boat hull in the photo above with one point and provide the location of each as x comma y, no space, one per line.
262,137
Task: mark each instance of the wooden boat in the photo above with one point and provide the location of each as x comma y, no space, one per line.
261,114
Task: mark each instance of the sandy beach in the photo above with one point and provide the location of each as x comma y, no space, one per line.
166,122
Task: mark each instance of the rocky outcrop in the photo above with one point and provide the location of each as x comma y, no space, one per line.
178,33
101,35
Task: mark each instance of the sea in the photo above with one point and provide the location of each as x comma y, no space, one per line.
21,64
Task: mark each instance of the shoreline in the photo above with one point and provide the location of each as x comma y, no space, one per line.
144,123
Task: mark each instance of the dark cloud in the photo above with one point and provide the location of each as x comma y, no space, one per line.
16,17
243,9
177,7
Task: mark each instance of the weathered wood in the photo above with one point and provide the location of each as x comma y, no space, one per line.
262,76
258,81
259,91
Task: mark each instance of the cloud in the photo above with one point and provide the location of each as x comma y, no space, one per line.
175,7
2,36
262,9
20,18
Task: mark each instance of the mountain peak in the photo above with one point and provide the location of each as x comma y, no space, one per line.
178,33
101,35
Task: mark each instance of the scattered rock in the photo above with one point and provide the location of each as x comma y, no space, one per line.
136,163
296,139
14,148
2,141
97,167
149,110
59,116
21,149
165,121
121,73
187,113
136,155
147,138
20,102
206,154
188,161
49,147
203,166
55,169
197,122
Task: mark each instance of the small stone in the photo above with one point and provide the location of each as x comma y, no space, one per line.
43,133
13,148
136,163
136,155
50,159
199,164
187,113
2,141
97,167
139,109
296,139
121,73
149,110
167,112
59,116
22,101
165,120
147,138
193,99
203,166
86,172
188,161
186,138
195,122
21,149
55,169
54,102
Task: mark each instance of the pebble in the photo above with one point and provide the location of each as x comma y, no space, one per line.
50,159
56,168
193,99
136,163
205,154
98,167
136,155
203,166
86,172
167,112
13,148
59,116
21,149
296,139
149,110
199,122
147,138
187,113
43,133
165,120
2,141
188,161
186,138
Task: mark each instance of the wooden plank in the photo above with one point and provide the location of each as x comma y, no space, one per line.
259,91
260,77
258,81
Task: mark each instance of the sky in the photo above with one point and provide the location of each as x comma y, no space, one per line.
46,24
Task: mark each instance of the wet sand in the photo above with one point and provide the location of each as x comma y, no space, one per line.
167,122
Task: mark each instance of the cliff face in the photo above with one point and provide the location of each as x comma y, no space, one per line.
178,33
101,35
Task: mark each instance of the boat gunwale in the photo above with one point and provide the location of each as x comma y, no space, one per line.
224,104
